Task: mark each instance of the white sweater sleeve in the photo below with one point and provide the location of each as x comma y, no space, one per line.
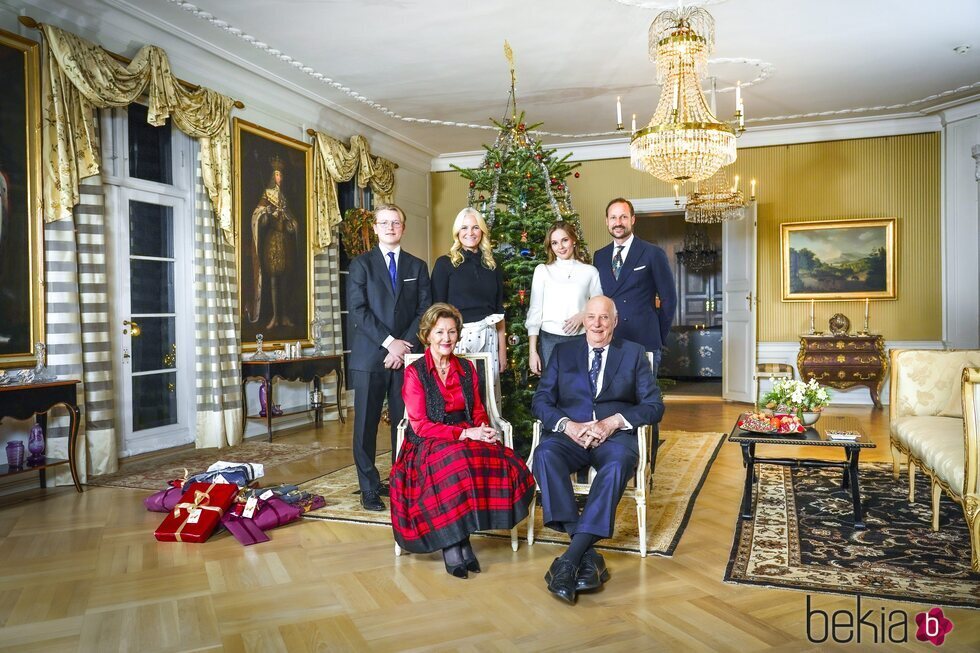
595,285
534,309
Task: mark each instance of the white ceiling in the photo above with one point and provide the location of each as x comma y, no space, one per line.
443,59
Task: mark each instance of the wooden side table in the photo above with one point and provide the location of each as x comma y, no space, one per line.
35,400
306,368
844,361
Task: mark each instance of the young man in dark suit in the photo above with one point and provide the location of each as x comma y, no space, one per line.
590,401
634,273
387,292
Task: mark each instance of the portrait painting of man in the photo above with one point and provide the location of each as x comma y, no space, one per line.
273,219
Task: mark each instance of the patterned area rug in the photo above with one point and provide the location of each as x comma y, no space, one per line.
682,465
153,474
803,538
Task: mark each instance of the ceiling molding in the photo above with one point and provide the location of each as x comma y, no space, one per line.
961,111
836,130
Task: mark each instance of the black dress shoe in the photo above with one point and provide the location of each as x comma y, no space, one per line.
452,556
561,580
469,558
371,501
383,490
592,573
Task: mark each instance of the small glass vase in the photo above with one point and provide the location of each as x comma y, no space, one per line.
15,454
809,419
35,444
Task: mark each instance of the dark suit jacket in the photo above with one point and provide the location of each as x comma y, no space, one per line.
375,312
628,387
645,273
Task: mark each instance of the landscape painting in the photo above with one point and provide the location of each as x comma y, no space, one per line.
838,259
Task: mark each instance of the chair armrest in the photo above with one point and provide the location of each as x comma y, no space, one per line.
508,432
400,434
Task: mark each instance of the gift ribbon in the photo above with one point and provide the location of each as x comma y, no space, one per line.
201,500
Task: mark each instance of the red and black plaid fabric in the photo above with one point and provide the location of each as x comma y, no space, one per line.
444,490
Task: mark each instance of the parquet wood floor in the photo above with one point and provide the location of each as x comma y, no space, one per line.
83,573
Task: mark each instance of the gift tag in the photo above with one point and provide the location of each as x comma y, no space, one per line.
194,516
220,479
265,495
250,506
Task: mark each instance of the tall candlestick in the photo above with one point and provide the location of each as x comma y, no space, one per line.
811,315
677,195
634,123
619,112
867,305
738,95
753,189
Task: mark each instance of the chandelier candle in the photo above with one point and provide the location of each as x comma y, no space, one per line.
619,114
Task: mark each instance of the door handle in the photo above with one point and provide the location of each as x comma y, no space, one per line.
134,328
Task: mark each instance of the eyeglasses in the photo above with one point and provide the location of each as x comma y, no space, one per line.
394,223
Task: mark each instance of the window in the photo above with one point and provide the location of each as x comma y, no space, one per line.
350,196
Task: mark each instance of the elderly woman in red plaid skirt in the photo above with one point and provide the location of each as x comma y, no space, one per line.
453,476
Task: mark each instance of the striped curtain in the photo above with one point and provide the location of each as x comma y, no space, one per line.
77,324
326,297
217,343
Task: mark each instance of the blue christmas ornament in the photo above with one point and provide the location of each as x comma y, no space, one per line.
526,253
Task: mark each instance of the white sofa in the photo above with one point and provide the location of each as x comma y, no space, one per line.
931,391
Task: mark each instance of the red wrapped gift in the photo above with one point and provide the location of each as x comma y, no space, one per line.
198,513
268,515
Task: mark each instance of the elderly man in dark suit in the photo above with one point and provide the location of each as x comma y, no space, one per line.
590,401
387,293
634,273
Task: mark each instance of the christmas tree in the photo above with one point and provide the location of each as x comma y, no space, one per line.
521,189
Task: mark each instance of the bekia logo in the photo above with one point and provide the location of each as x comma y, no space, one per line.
875,626
933,626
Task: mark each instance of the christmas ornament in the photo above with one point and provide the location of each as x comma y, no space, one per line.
497,165
577,175
512,340
472,184
523,236
526,253
521,293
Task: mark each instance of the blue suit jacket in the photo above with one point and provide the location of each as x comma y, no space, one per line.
375,312
628,387
645,273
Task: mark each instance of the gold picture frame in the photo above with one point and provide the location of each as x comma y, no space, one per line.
838,259
273,211
21,225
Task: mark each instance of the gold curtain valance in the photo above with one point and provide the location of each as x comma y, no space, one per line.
79,76
335,163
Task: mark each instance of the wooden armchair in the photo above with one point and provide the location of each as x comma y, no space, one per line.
482,363
648,441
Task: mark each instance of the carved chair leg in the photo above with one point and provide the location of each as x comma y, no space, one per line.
971,510
641,522
911,481
937,493
896,461
530,519
513,538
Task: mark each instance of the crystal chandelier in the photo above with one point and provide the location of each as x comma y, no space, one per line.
698,254
684,141
715,200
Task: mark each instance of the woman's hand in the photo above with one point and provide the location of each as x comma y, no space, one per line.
534,361
573,324
480,434
502,355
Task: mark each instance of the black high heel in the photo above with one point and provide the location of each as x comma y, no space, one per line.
469,558
452,556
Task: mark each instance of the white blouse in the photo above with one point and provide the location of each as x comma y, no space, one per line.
559,290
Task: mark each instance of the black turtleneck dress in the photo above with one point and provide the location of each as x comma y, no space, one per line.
472,288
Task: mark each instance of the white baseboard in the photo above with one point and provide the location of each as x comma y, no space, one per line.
786,352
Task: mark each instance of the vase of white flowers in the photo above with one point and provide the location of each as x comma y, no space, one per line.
807,400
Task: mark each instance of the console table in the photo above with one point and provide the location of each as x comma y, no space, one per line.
844,361
306,368
35,400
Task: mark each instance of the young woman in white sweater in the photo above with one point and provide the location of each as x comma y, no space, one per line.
559,290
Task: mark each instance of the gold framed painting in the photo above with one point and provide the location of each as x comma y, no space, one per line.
838,259
21,229
274,229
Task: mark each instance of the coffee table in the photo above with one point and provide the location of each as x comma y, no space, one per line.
814,436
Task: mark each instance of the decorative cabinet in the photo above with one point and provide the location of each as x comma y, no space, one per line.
692,352
844,361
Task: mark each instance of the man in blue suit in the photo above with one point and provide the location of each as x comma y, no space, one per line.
590,401
634,273
387,293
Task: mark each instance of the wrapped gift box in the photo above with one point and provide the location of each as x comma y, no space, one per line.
198,513
269,514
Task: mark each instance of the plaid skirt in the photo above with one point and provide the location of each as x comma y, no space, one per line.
441,491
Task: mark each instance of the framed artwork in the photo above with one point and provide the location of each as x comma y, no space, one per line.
838,259
21,229
273,209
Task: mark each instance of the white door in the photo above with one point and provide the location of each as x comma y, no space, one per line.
152,314
738,268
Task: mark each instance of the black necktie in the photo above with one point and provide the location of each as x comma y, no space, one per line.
618,261
594,370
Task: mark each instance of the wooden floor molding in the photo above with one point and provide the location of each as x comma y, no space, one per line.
83,573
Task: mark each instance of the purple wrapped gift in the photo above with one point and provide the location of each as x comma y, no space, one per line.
164,500
269,514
